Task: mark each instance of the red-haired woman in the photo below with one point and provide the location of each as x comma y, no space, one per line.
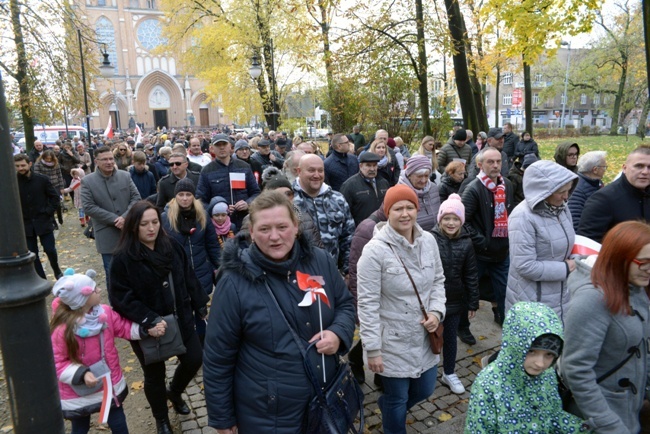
607,326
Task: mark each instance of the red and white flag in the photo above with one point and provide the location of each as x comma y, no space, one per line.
138,134
108,132
107,398
313,286
585,246
237,181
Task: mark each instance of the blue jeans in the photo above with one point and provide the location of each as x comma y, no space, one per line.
498,272
400,394
107,258
116,421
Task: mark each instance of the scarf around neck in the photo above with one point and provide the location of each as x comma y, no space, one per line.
159,259
187,221
500,209
383,162
224,228
92,323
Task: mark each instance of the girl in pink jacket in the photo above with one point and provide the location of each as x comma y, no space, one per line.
83,333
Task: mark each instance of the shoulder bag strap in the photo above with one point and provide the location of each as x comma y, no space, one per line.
171,287
631,352
293,332
424,311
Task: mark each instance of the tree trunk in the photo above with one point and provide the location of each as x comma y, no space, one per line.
21,75
619,96
477,89
336,105
641,129
463,84
422,69
528,98
496,97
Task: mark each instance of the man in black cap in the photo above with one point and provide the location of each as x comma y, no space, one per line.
364,192
229,178
265,157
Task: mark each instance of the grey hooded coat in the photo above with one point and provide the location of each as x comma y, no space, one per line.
540,241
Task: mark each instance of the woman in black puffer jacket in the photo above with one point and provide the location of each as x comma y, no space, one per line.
453,177
461,280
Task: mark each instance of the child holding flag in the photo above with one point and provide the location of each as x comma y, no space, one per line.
86,359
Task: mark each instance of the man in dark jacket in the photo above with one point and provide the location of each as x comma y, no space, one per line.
591,169
627,198
36,151
340,165
141,176
488,202
221,178
265,157
358,138
167,184
38,200
364,191
510,141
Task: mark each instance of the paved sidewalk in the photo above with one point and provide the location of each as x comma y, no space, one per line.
444,412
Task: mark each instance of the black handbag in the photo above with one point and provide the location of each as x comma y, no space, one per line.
89,232
335,406
168,345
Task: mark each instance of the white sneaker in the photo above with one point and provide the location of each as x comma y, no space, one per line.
453,383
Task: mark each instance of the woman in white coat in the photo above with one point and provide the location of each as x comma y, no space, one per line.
541,239
392,326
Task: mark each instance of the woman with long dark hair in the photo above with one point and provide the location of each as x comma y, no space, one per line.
146,267
607,327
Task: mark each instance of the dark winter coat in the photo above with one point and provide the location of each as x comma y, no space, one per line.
390,172
202,250
526,147
510,141
167,186
449,152
260,162
447,187
144,181
339,168
362,235
137,293
616,202
68,162
516,177
586,187
38,200
215,181
479,220
162,166
461,272
253,370
361,196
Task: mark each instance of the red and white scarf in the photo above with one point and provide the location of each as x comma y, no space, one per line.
500,209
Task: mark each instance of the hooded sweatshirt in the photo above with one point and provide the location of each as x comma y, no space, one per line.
505,398
561,152
541,240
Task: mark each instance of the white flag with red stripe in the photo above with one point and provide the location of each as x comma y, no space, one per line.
107,398
138,134
585,246
108,132
237,181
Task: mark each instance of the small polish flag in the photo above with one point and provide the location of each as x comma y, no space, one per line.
237,181
108,132
585,246
107,398
138,134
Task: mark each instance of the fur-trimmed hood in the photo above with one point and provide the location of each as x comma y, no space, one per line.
236,256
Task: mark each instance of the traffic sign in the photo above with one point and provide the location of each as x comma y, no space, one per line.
516,97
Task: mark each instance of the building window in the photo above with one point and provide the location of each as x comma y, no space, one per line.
583,98
106,38
507,99
150,34
151,4
134,4
101,2
507,78
538,77
597,99
535,99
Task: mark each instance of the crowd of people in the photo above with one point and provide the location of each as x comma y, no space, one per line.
399,243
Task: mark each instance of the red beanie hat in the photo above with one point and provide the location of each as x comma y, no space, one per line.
397,193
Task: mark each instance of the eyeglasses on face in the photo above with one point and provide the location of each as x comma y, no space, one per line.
177,163
643,265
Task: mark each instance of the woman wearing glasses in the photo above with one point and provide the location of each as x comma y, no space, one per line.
607,327
122,154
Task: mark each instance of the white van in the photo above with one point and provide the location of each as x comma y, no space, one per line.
48,135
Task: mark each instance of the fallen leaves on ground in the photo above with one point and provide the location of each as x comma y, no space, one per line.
444,417
137,385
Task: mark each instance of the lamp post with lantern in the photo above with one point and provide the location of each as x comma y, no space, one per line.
255,72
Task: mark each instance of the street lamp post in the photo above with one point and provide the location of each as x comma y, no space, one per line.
255,71
83,81
566,82
24,331
107,71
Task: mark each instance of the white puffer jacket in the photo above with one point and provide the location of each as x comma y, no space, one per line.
389,312
540,241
